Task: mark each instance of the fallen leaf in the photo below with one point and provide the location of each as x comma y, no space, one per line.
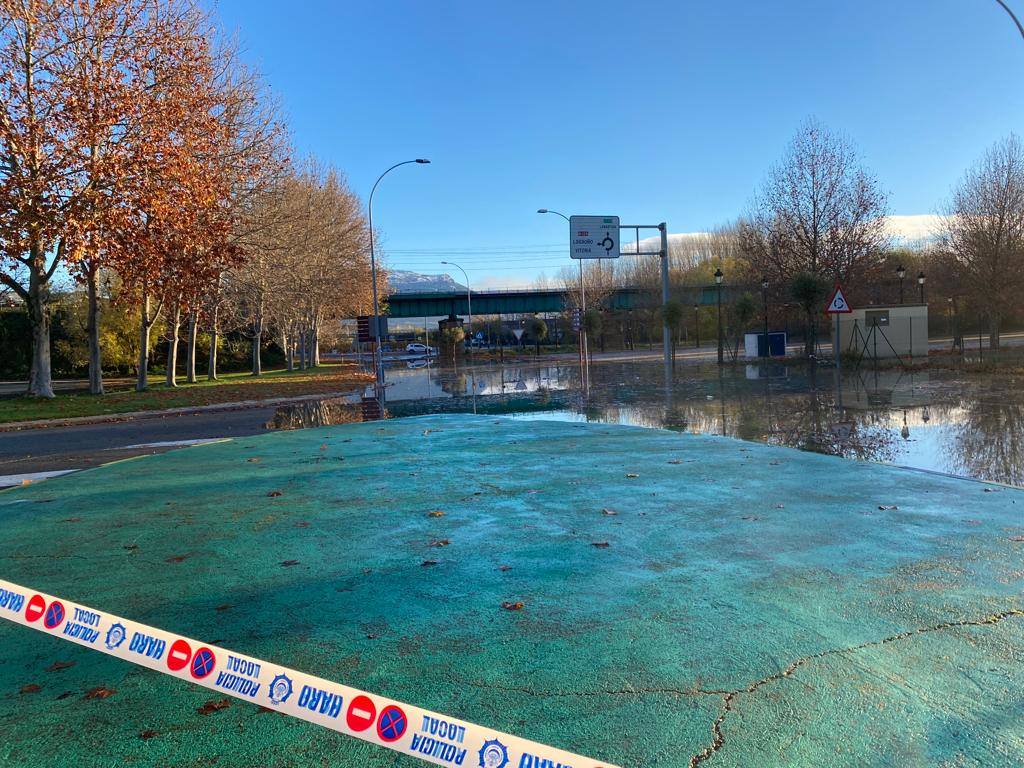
65,695
31,688
175,558
885,507
435,513
1017,538
600,544
439,543
99,692
509,606
751,517
302,524
429,562
130,547
289,563
372,637
71,520
780,506
147,734
607,511
632,474
675,461
58,665
504,568
274,494
992,490
253,460
223,607
214,706
323,446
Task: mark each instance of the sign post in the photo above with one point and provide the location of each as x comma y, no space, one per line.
837,306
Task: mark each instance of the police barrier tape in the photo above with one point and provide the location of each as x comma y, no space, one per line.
429,736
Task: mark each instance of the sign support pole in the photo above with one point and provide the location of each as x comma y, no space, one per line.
666,332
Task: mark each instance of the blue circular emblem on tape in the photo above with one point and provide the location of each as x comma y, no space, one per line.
54,615
115,636
203,663
493,754
280,689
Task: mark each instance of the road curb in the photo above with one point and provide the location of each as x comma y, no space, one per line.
106,418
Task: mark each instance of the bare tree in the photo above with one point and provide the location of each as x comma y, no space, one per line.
983,228
819,212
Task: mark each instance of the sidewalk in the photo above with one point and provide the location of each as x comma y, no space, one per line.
104,418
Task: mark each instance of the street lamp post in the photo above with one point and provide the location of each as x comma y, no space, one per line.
764,304
696,324
718,283
583,301
469,301
378,363
901,273
920,284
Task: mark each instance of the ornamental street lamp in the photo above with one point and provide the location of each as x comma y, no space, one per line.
901,273
718,282
920,283
378,363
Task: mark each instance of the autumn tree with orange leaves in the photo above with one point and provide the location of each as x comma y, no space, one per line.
126,139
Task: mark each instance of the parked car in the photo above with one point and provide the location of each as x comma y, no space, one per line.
419,349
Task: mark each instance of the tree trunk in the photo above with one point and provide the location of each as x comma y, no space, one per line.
302,350
211,366
142,372
40,381
315,343
257,337
809,337
190,362
289,349
93,331
174,326
993,331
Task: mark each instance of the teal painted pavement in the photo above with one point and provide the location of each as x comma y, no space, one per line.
753,606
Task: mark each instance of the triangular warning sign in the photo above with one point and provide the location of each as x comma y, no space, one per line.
838,305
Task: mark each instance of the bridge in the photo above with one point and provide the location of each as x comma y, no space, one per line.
538,301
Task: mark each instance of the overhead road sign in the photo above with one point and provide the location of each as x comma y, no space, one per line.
594,237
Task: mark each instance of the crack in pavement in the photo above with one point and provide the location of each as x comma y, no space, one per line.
718,737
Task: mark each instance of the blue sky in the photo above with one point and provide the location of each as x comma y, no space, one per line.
650,110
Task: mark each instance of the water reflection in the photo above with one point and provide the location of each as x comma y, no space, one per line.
940,421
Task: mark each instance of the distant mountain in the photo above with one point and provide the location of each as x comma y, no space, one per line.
400,281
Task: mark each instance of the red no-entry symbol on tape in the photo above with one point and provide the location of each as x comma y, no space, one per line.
361,713
35,608
179,655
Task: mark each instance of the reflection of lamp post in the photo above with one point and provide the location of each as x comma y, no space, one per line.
469,301
764,306
718,282
920,283
378,363
901,273
905,432
696,323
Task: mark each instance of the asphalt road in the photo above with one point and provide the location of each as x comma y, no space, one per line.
89,445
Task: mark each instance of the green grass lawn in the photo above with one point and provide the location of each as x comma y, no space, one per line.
231,387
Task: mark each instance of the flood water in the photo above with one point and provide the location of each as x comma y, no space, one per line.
963,424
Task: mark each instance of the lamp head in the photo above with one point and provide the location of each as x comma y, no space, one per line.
422,161
920,278
901,272
718,276
542,210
